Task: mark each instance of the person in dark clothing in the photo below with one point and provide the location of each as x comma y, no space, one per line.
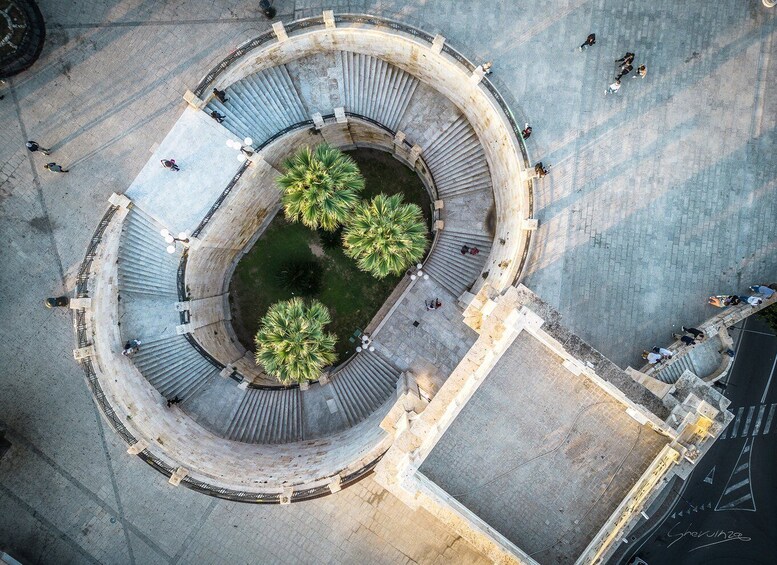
590,40
33,147
696,333
218,117
220,95
174,400
526,131
464,249
54,168
540,170
624,71
170,164
627,59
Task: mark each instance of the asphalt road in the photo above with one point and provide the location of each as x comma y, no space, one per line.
727,512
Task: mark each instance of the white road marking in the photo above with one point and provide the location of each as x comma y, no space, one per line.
747,422
757,426
768,425
742,464
710,476
740,484
735,425
739,500
769,382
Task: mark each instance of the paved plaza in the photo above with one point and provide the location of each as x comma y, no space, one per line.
657,197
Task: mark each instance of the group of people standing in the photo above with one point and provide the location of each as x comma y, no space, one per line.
692,336
625,66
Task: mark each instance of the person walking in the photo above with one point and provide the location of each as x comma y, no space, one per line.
220,95
33,146
763,290
54,168
624,71
613,88
589,41
170,164
464,249
174,400
131,347
218,117
487,68
627,59
641,72
685,339
526,131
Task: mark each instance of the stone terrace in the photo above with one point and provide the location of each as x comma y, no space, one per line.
542,455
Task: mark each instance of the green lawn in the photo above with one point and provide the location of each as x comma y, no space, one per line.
352,296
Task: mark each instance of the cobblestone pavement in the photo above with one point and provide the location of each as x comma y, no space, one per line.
658,197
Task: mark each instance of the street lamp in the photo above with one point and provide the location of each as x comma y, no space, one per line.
419,273
169,238
245,148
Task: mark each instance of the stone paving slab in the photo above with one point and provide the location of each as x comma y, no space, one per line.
180,199
432,348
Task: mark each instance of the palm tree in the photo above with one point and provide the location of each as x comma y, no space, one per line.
320,187
291,343
385,236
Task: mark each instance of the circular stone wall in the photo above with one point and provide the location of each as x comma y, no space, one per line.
186,449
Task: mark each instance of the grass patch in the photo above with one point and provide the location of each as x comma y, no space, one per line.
352,296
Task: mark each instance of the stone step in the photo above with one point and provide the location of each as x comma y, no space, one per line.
376,89
454,271
268,416
260,105
702,359
364,385
174,369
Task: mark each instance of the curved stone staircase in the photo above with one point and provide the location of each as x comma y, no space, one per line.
350,99
270,100
174,367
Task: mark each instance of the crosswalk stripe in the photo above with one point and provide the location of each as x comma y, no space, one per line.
723,435
739,500
742,467
747,422
736,486
769,419
757,426
735,426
